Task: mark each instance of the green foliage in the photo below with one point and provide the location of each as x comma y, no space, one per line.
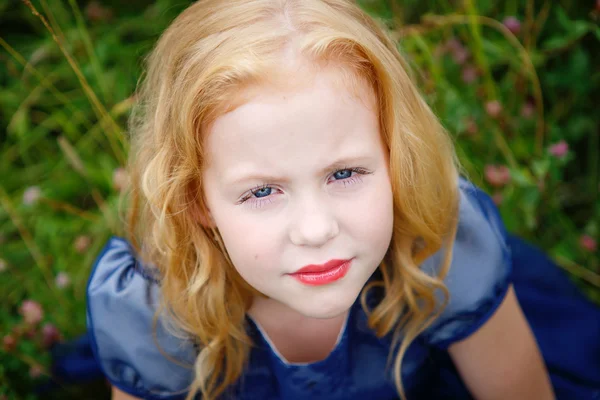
515,102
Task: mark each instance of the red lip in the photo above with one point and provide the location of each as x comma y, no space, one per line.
316,275
316,268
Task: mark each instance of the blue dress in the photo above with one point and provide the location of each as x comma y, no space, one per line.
122,299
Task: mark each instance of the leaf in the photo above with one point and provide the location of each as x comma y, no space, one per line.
521,177
562,41
563,19
572,31
540,167
19,124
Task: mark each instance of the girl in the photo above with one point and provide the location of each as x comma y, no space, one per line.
298,227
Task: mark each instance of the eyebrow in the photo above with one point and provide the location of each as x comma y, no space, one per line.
346,162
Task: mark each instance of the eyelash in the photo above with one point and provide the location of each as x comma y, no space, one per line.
260,202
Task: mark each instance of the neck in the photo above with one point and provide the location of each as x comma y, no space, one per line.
266,311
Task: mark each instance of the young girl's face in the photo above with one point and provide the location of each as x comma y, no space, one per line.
300,176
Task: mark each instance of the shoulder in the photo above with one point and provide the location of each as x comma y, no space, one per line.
137,356
479,274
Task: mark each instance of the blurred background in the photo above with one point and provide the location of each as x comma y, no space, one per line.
516,82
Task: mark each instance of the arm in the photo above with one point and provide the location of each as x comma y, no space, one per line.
119,395
502,360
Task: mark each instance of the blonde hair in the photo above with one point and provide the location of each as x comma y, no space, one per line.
207,54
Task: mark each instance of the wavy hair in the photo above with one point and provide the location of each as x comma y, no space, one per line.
209,52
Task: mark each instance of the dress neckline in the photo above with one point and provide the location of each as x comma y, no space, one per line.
265,338
339,349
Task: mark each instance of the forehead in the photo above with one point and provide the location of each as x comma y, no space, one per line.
287,127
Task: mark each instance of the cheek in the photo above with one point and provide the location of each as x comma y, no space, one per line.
251,248
373,216
250,242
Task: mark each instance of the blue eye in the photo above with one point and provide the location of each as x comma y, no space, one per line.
343,174
261,195
262,192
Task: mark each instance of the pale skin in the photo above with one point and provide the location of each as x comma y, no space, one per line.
501,360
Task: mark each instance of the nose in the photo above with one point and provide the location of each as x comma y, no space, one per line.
314,224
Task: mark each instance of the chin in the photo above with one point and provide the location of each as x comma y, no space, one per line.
324,308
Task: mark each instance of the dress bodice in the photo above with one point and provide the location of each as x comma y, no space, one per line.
123,298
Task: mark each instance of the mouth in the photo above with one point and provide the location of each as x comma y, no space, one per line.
316,275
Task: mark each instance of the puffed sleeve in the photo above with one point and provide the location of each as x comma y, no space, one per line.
122,298
479,274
